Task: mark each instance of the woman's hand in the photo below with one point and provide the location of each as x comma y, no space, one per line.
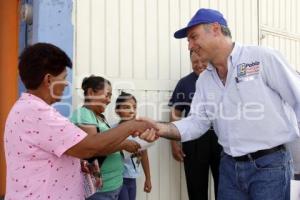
141,125
85,166
150,135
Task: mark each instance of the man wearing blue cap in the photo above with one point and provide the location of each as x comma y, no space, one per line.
251,96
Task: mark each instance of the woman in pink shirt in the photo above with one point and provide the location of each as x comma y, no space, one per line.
42,148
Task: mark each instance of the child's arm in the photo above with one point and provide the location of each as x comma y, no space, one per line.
129,145
146,168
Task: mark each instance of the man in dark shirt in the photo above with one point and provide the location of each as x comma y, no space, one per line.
201,154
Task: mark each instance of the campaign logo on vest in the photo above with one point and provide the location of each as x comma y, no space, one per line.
248,71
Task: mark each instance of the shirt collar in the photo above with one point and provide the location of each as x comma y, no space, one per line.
209,67
233,55
30,97
235,52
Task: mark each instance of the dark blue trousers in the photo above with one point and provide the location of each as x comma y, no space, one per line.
128,191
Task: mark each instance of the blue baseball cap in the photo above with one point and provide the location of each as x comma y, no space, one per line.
202,16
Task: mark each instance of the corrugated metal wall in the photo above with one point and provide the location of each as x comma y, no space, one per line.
280,28
131,43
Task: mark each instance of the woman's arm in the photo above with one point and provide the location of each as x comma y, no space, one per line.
103,144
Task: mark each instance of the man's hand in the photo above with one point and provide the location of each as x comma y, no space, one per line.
141,125
177,151
131,146
151,134
166,130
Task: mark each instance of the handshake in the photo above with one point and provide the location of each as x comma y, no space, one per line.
149,130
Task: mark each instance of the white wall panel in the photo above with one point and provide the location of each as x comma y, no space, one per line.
194,6
151,24
82,45
126,39
296,16
97,38
151,111
289,47
139,36
280,28
184,13
281,15
174,44
131,43
112,38
163,40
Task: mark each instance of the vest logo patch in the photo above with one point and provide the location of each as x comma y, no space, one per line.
248,69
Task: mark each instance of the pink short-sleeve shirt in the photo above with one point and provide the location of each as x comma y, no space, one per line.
35,139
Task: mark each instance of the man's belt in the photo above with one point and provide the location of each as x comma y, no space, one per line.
258,154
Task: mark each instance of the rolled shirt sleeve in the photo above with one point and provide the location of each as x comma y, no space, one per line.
197,123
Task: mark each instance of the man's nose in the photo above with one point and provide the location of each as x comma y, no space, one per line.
191,45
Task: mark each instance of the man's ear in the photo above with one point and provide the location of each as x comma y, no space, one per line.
216,28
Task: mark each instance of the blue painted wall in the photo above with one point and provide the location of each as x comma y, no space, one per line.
23,43
52,23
